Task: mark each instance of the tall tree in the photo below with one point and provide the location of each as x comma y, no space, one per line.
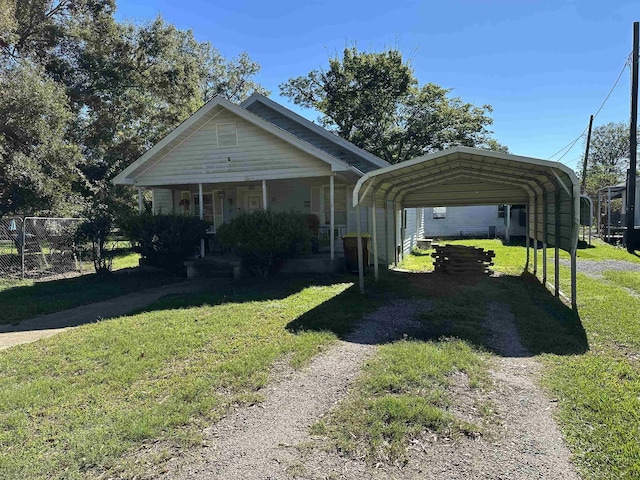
37,164
123,86
608,156
374,100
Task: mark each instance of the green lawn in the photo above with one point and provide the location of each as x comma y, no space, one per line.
24,299
74,405
81,403
598,389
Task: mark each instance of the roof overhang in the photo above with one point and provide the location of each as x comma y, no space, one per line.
470,176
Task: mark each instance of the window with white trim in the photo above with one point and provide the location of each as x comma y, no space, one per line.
439,213
227,134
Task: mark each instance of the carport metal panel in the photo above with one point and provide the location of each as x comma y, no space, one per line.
470,176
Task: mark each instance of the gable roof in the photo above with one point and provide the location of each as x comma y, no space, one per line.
377,162
201,117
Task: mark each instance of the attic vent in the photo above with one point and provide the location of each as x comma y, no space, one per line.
227,135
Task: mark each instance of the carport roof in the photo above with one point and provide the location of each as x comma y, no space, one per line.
470,176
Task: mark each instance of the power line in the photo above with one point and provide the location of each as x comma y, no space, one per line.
571,144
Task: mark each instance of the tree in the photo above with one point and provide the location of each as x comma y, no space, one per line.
374,100
122,87
37,164
608,156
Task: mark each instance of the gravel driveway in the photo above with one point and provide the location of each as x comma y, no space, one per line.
595,268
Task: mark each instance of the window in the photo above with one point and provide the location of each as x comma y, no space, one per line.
501,210
227,135
439,213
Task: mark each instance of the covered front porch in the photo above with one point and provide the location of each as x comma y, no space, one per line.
323,200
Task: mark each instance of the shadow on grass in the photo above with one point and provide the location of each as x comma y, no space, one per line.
459,306
21,302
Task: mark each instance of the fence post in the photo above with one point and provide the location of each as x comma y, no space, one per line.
24,237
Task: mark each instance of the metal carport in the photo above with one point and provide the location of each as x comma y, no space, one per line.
462,176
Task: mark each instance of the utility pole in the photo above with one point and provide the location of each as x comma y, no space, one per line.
586,157
633,143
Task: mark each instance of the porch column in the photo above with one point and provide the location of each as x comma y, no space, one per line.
332,218
264,194
201,201
374,237
359,241
140,204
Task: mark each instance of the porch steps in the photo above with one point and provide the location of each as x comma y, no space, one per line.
214,267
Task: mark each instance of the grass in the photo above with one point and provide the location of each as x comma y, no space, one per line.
592,361
82,403
24,299
600,250
402,395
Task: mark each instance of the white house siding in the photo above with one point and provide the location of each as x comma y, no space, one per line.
413,228
473,221
259,155
161,201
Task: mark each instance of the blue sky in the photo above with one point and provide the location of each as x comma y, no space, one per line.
544,66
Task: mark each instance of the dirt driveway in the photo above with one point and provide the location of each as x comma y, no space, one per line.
271,440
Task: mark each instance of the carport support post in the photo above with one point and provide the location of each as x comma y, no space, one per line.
332,217
527,236
374,237
609,214
544,240
507,233
386,231
359,242
574,301
599,212
395,234
200,199
556,259
535,236
402,230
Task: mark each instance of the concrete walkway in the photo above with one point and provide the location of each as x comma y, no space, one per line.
50,324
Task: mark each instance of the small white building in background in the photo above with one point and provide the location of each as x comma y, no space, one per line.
486,221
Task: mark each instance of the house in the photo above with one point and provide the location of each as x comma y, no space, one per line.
481,221
228,158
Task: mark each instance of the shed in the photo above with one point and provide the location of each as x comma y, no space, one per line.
469,176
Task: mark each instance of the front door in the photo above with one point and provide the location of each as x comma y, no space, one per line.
218,208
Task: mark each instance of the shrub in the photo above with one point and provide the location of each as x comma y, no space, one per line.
264,238
164,240
95,230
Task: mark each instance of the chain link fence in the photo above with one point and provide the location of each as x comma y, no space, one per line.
38,247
